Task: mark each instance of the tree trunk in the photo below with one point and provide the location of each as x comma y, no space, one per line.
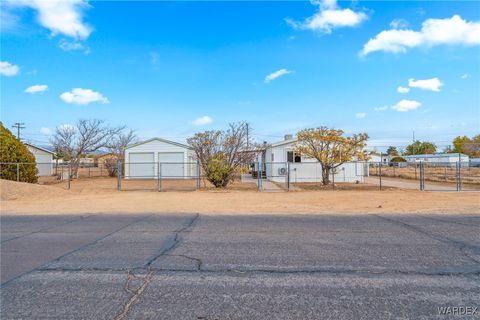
325,175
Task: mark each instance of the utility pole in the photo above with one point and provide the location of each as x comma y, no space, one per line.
19,127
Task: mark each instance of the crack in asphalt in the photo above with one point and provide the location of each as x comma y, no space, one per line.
175,240
273,271
47,228
450,221
73,251
460,245
135,294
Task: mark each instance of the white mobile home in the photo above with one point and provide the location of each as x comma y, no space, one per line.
440,159
159,157
281,156
43,159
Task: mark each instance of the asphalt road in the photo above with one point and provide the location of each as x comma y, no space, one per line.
190,266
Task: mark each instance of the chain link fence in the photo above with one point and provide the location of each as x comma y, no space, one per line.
437,176
159,176
268,176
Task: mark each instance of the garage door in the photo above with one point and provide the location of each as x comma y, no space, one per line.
141,165
172,164
44,164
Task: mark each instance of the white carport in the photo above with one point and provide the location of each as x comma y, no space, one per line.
43,159
148,159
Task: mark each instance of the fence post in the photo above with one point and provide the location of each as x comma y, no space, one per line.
119,175
458,176
259,175
69,174
159,176
380,174
288,176
198,175
18,172
422,177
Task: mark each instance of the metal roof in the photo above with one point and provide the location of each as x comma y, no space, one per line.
159,139
435,155
39,148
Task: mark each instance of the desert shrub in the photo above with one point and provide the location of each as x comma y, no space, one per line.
112,167
218,172
13,150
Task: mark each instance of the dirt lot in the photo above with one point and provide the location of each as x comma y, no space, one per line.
99,195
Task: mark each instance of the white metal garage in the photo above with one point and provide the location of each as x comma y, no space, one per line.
151,158
43,159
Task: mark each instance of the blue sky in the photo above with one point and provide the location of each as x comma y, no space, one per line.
170,69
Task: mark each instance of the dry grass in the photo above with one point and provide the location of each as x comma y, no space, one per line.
101,196
437,174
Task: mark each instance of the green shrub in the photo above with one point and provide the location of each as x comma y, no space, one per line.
13,150
218,172
398,159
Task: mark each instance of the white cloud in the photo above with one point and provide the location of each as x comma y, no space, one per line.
83,96
36,88
46,131
406,105
403,89
277,74
66,45
360,115
329,17
380,109
59,16
433,84
8,69
466,76
434,32
399,24
202,121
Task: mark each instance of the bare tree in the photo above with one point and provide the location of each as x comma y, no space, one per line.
222,153
87,136
116,147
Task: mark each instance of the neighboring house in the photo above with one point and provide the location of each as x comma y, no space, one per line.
376,158
474,162
145,160
281,156
440,159
100,160
43,159
86,162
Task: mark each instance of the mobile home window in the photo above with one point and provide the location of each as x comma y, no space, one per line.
293,157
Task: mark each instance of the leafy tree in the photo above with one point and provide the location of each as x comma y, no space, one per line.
222,153
459,144
420,147
392,151
466,145
330,147
13,150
